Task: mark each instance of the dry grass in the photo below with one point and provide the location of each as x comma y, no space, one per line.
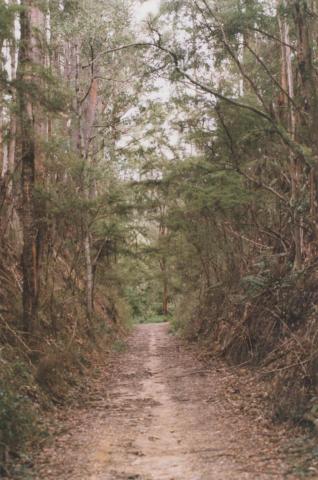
274,328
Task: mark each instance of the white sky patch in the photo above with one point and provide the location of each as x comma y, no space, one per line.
144,9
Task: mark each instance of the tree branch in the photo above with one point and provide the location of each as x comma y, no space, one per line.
302,151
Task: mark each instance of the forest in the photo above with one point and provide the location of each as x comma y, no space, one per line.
158,163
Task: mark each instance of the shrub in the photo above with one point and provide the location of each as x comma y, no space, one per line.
17,424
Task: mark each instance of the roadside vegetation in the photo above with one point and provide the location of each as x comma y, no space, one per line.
156,171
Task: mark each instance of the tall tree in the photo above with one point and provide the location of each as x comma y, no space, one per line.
27,76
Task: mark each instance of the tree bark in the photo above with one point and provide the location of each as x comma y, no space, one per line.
89,276
86,109
163,268
27,118
288,116
307,92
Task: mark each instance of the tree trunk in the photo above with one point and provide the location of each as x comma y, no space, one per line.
307,92
288,115
163,268
86,112
89,276
27,114
165,298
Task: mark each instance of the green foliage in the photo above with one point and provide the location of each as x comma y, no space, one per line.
143,290
18,423
119,346
254,282
7,15
181,200
154,318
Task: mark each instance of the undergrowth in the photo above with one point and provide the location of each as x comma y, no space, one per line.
42,372
268,319
153,318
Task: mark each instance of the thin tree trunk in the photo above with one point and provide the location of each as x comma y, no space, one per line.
307,91
89,276
27,119
287,84
163,268
86,113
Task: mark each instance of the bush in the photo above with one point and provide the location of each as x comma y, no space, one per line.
17,424
269,321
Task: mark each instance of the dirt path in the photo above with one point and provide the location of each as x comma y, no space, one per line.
164,416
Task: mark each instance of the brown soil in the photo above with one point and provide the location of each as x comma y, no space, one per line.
163,415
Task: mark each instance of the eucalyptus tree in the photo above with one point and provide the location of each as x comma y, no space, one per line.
29,64
72,95
228,63
102,88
